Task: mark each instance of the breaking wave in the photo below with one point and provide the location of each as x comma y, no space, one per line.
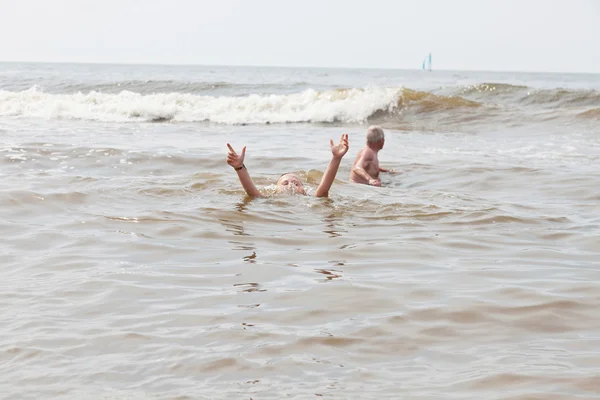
152,101
309,106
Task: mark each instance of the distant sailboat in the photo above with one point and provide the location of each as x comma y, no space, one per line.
427,63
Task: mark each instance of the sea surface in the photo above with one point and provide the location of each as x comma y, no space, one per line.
134,266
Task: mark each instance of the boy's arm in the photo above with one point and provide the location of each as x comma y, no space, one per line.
337,152
247,183
237,162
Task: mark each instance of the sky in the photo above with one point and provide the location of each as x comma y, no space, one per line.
490,35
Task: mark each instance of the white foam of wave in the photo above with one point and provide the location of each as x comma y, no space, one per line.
351,105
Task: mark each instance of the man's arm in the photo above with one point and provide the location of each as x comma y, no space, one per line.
338,152
237,162
363,163
360,168
391,171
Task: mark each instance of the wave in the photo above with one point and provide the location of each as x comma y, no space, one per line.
170,86
350,105
593,113
431,102
524,95
562,97
309,106
492,87
144,87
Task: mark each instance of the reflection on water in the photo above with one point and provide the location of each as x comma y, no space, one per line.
329,274
251,258
332,219
249,287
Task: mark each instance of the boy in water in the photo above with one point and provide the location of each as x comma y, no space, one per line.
290,183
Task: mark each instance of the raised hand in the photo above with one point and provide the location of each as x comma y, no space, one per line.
234,159
237,161
338,150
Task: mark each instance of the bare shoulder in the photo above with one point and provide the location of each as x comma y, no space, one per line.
368,154
359,155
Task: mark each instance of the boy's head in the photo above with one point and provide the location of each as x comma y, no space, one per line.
290,183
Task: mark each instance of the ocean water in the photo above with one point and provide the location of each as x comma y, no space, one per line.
135,267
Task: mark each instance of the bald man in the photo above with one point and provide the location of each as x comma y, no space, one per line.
366,165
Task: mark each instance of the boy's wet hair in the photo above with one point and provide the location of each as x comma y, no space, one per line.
288,173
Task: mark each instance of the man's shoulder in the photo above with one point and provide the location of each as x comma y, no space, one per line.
368,153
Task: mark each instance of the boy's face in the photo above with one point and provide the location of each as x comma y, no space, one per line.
290,184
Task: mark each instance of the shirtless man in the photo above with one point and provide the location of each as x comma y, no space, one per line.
366,167
290,183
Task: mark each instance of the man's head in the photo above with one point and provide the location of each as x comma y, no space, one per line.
290,184
375,137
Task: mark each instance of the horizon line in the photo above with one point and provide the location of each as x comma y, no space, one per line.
161,64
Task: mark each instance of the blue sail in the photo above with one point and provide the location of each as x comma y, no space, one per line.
426,63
